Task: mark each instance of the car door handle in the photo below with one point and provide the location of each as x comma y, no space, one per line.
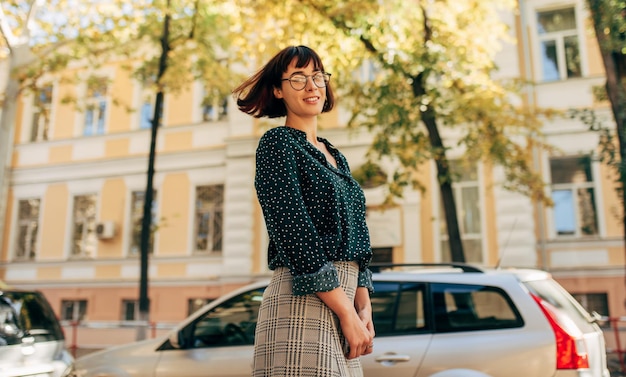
392,358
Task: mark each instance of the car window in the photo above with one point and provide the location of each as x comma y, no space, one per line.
398,308
231,323
27,314
459,307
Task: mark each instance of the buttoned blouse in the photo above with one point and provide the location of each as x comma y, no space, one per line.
314,212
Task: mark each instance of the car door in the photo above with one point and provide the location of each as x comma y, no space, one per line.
218,343
402,332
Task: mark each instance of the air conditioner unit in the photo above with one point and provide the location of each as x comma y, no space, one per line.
105,230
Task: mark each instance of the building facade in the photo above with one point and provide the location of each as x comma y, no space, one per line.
78,179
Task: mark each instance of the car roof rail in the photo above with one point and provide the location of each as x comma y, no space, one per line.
377,267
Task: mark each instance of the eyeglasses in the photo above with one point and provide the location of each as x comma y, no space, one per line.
298,81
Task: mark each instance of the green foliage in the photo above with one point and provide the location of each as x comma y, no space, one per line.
611,15
395,64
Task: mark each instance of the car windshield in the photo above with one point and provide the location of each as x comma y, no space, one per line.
26,314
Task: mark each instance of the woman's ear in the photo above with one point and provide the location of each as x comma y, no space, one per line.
278,93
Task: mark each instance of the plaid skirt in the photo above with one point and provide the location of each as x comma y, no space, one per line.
299,336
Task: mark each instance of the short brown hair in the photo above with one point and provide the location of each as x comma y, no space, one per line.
255,96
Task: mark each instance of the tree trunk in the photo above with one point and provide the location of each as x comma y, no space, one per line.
615,70
146,221
444,180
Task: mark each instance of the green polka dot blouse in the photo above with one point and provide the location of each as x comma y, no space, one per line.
314,212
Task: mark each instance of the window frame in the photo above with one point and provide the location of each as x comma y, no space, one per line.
78,308
33,245
124,305
594,184
88,247
134,224
213,208
559,37
40,127
98,105
457,188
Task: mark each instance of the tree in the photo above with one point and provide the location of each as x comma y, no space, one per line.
191,46
609,23
433,67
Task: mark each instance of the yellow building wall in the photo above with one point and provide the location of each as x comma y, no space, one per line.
493,253
594,59
60,154
427,218
116,148
612,205
121,94
108,271
178,141
54,220
50,273
64,114
179,108
112,208
175,217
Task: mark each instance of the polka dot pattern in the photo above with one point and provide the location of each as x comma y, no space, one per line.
314,212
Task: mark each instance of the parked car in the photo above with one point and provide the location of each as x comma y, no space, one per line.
451,321
32,343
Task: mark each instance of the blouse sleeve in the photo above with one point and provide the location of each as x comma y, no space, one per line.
288,223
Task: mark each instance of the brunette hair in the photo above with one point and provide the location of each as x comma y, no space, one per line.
255,96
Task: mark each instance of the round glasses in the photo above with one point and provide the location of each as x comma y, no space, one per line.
298,81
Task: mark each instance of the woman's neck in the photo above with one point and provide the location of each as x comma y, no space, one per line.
308,126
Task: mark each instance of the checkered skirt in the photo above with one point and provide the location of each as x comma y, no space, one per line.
299,336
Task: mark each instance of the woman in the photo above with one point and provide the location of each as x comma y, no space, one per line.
316,316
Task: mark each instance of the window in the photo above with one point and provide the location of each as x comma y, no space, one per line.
130,310
147,101
136,213
398,309
194,304
460,307
73,310
209,217
574,197
145,114
560,52
467,199
27,229
230,324
84,231
96,107
382,255
594,302
42,107
214,106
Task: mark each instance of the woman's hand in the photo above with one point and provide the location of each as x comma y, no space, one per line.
363,306
358,336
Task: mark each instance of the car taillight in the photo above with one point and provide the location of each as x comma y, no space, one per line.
571,350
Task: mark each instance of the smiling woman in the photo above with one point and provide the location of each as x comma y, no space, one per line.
316,315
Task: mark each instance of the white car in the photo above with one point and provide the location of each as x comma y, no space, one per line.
452,321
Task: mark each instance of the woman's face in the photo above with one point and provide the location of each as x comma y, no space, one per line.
302,103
